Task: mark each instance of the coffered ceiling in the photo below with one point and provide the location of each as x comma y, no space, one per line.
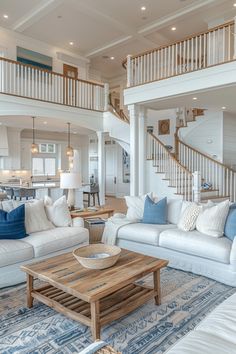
103,29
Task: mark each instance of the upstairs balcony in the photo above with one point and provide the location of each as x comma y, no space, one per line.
28,81
191,55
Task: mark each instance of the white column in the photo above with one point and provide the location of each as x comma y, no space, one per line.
142,150
134,149
128,70
235,37
106,97
101,166
197,186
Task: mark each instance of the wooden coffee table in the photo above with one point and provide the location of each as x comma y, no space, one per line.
94,297
92,213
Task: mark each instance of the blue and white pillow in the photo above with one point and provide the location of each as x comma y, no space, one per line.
12,224
155,213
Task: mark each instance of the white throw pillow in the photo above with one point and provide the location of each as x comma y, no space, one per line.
136,206
58,212
188,216
36,218
174,210
211,221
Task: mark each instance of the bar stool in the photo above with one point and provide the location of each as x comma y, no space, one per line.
9,192
93,192
23,193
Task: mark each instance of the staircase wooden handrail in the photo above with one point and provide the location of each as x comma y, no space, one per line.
170,155
226,24
51,72
203,155
120,114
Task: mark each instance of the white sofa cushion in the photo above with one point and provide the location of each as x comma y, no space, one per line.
58,212
36,218
211,220
56,239
197,342
14,251
197,244
222,321
143,233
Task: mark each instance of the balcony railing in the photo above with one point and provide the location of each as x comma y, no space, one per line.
31,82
213,47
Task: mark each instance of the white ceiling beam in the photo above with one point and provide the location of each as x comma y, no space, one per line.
176,15
107,46
35,14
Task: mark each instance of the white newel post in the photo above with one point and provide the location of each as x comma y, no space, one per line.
128,69
142,150
197,186
106,97
134,150
101,166
235,37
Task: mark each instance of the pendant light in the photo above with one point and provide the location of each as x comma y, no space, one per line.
69,149
34,146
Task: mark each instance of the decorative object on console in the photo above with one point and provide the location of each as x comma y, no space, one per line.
155,213
164,127
12,224
58,212
188,216
34,146
69,149
97,256
211,221
230,225
70,181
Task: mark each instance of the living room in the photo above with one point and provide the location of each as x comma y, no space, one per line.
117,176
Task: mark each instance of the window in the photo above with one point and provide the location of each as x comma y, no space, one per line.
47,148
44,166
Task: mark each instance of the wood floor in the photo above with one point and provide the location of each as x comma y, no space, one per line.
118,204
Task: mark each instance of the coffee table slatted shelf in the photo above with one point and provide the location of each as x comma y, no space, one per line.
94,297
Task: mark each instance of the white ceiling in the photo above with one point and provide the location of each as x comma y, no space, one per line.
42,124
105,28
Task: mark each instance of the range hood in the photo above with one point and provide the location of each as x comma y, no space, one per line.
4,148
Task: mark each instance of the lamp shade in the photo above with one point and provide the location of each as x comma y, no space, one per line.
70,180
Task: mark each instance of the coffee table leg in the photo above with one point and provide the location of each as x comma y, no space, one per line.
95,318
30,281
157,286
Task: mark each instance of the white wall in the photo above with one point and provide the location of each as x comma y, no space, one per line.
154,116
206,134
9,40
229,139
12,161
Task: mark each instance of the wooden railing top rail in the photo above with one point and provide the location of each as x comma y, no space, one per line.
226,24
51,72
121,115
205,155
170,155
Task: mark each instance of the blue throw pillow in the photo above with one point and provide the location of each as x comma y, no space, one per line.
155,213
12,224
230,224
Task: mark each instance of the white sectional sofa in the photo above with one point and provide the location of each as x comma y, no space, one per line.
214,335
189,251
38,246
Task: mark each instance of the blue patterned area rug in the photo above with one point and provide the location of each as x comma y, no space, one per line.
186,300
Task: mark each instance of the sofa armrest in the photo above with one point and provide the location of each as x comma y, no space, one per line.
77,222
233,253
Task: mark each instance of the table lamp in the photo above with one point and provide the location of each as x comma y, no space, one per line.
70,181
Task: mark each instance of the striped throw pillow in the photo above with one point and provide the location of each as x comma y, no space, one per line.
12,224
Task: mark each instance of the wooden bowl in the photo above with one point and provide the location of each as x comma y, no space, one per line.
97,256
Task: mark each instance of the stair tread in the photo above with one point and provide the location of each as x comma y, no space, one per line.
217,197
209,190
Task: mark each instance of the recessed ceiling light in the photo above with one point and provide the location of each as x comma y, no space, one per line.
45,122
71,43
143,8
223,107
173,28
74,132
235,4
112,58
0,123
194,98
5,16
